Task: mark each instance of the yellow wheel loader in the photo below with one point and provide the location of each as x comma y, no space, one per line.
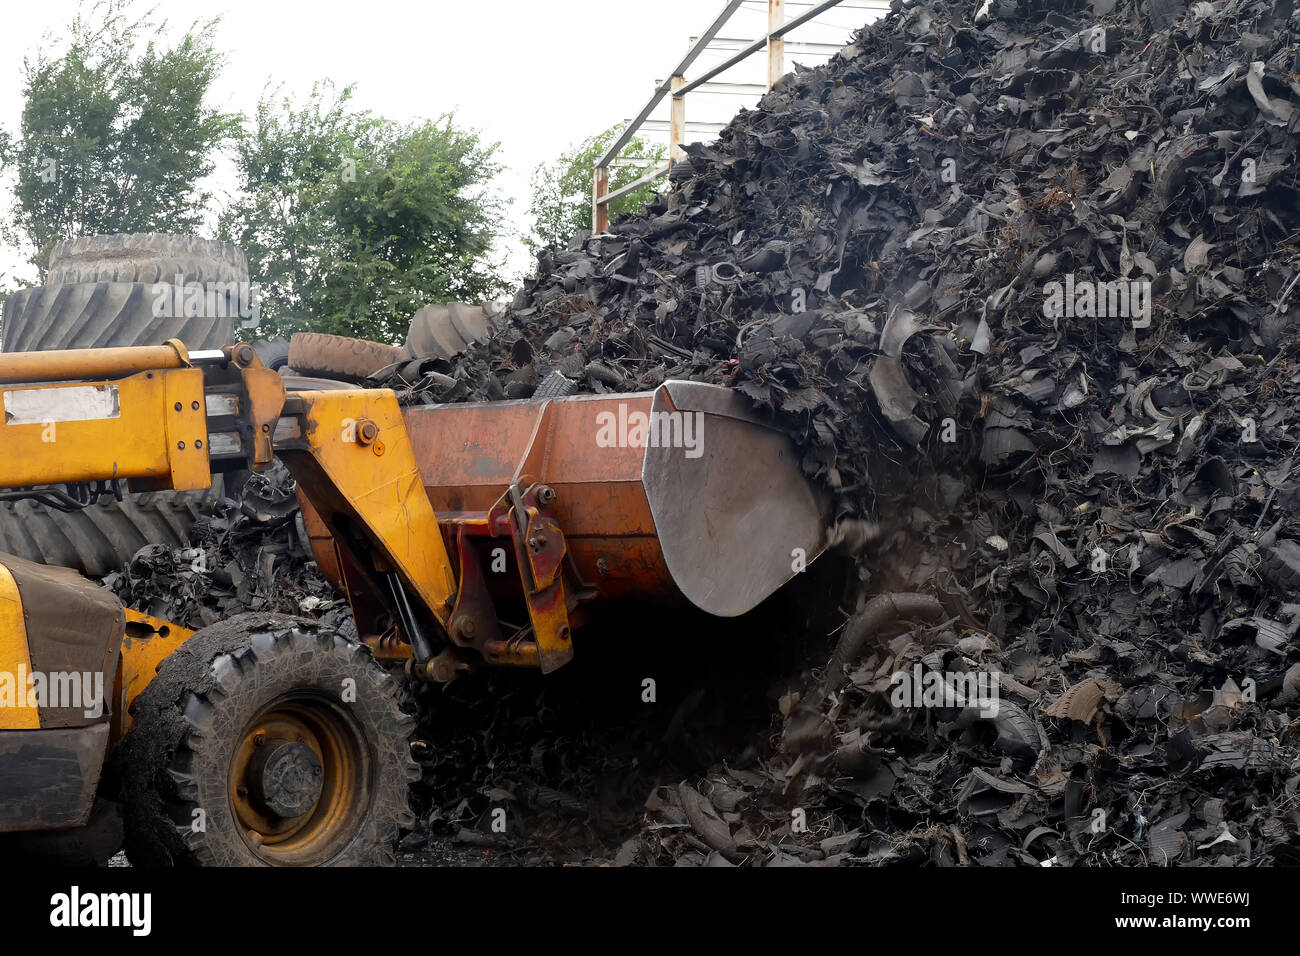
271,740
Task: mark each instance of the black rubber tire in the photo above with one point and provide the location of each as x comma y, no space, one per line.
105,536
337,356
1170,174
274,353
145,257
1017,731
176,760
104,315
556,385
1280,566
1171,164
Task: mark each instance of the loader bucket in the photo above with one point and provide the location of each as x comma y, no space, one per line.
680,493
729,522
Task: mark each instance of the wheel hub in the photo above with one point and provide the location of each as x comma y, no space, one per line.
299,780
285,777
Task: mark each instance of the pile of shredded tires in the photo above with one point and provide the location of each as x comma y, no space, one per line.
1019,280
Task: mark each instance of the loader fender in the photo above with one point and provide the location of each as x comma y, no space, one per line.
59,641
72,630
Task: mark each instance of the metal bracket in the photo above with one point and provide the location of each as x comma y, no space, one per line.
540,550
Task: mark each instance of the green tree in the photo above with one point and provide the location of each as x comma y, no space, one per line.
114,135
561,204
352,222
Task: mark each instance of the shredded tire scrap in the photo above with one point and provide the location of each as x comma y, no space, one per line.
1020,281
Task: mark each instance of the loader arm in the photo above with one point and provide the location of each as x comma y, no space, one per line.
155,416
352,458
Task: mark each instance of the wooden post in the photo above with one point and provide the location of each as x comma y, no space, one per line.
775,45
600,210
677,122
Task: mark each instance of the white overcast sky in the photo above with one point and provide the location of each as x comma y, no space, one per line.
535,75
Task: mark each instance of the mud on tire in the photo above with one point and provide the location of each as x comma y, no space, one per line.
202,713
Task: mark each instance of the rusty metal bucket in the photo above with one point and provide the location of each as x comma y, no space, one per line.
679,493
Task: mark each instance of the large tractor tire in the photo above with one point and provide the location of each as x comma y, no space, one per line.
274,354
145,257
102,537
444,331
267,740
105,315
336,356
100,314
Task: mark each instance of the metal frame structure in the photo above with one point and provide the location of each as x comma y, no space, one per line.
678,86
